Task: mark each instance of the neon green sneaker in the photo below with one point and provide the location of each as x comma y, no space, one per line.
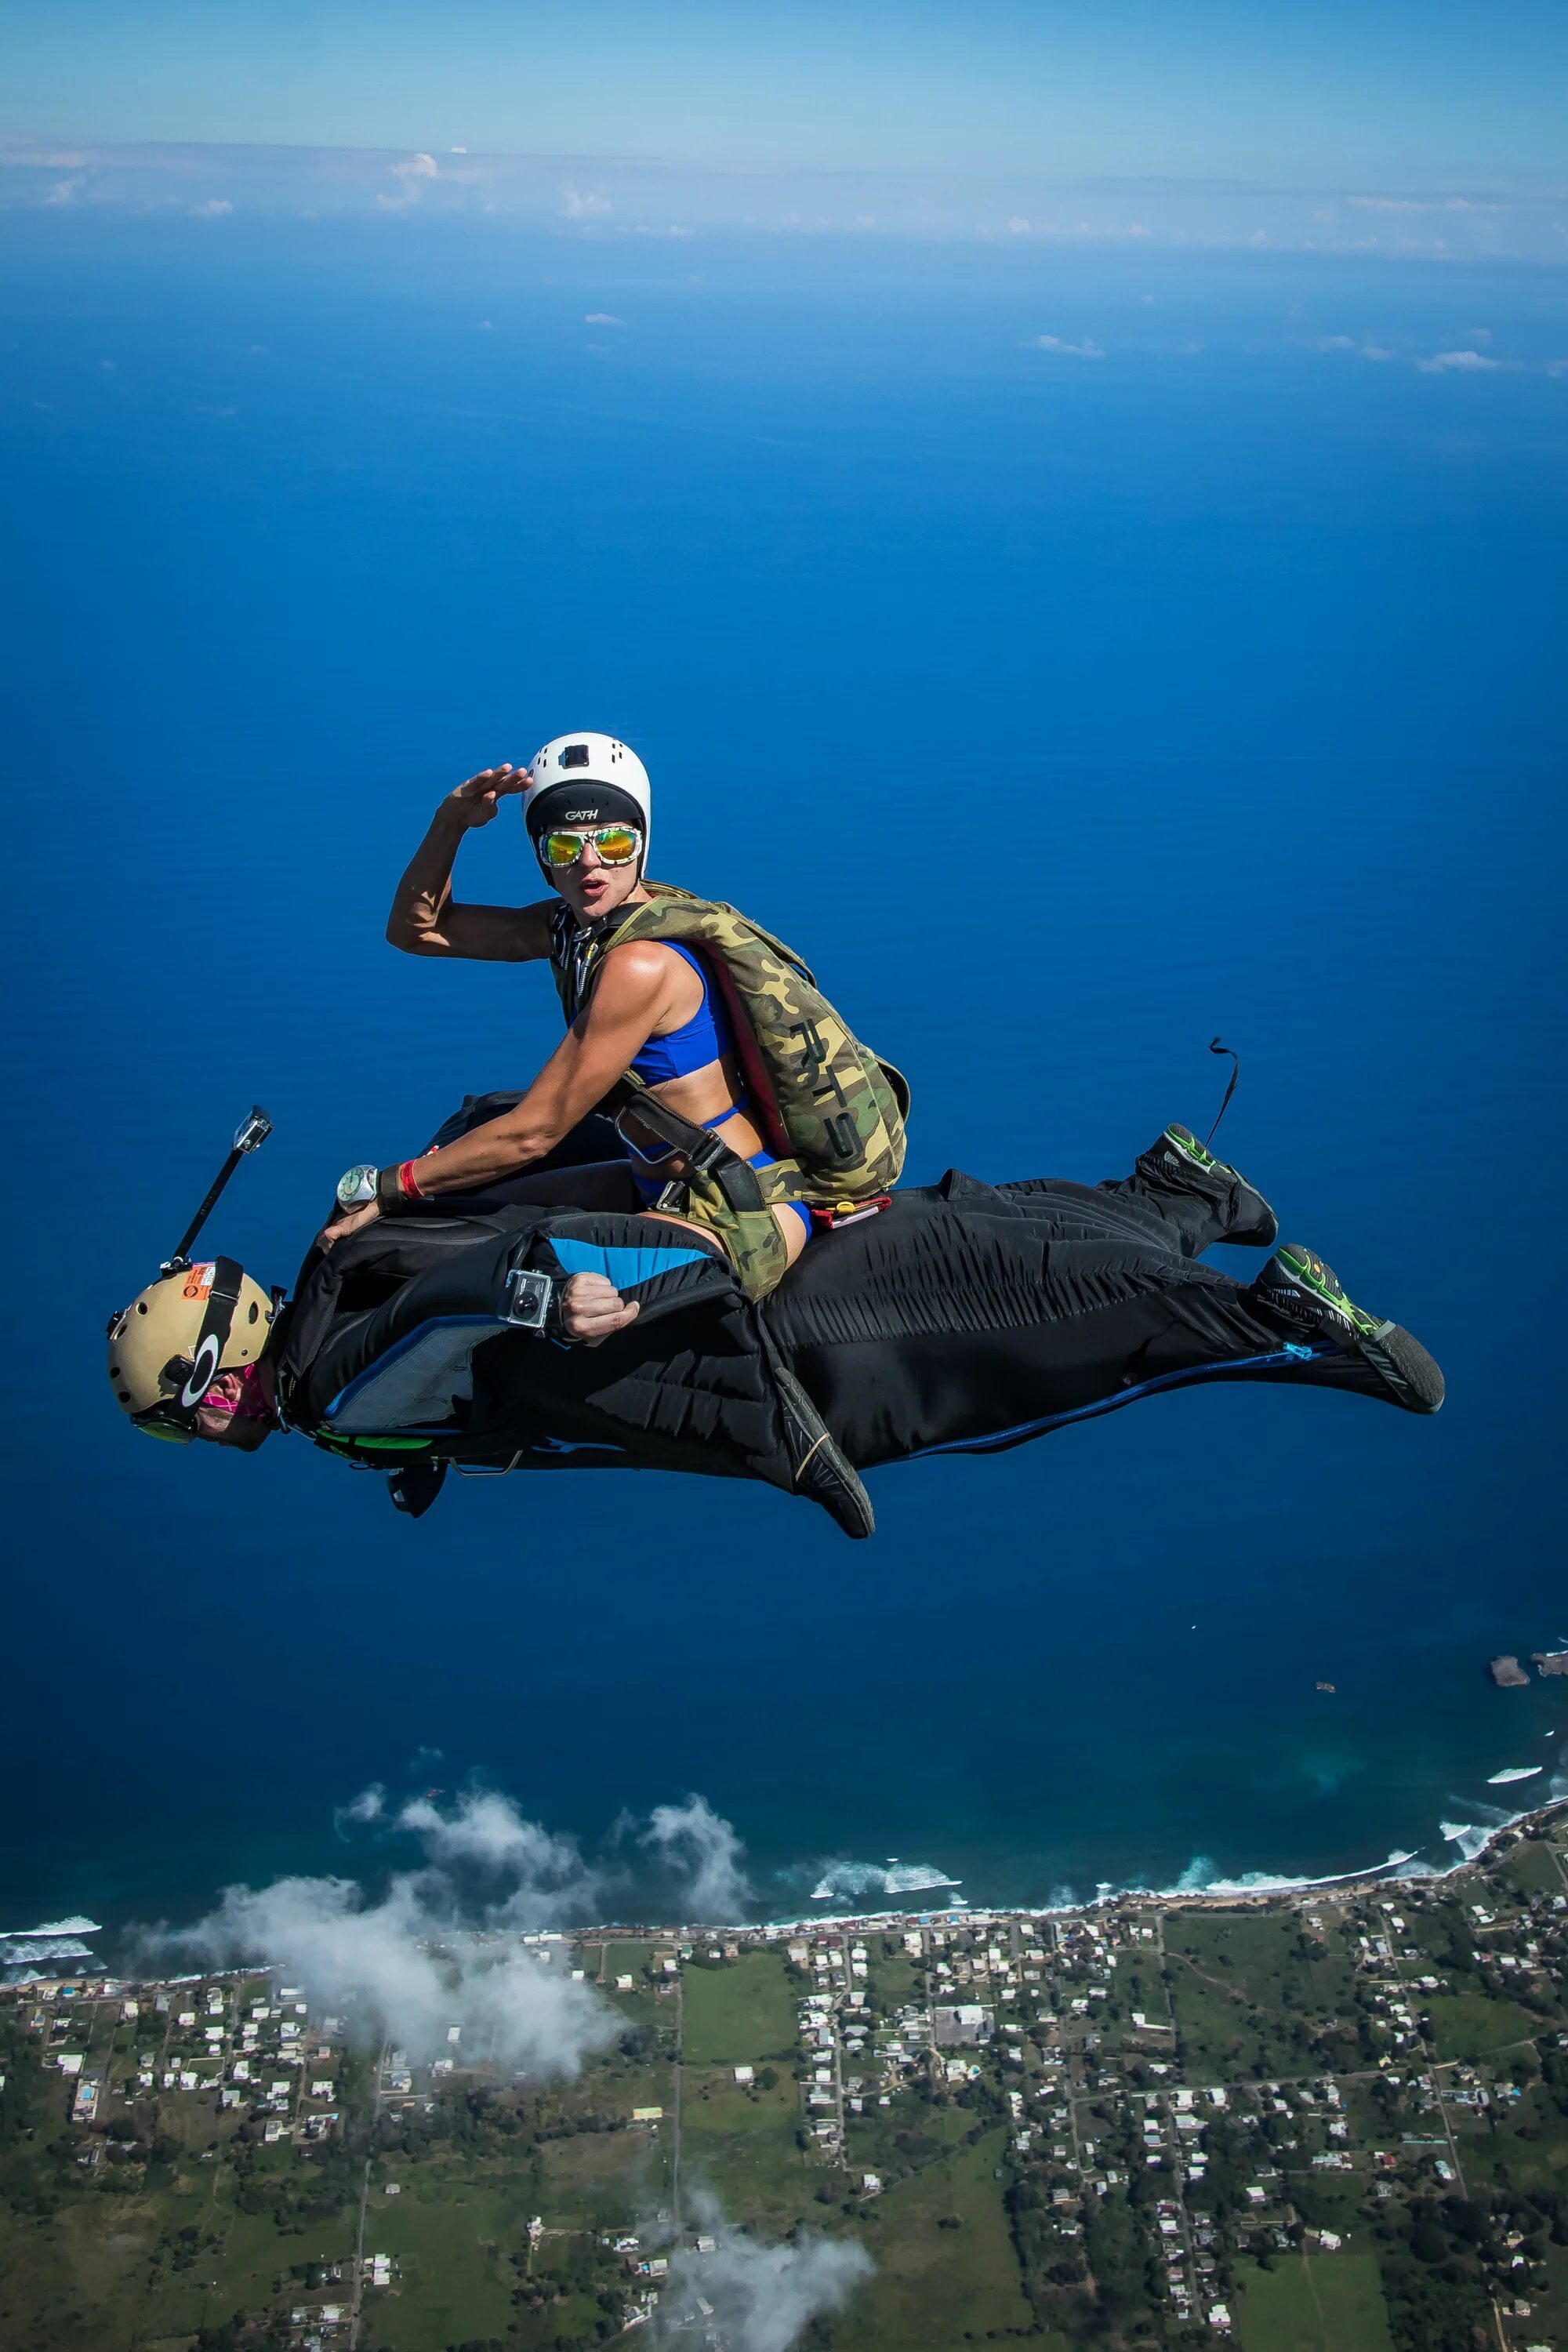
1302,1290
1179,1162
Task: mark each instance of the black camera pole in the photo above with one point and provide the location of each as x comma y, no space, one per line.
249,1136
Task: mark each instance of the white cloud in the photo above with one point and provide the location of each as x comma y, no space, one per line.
423,1955
546,1878
370,1805
582,204
402,1969
62,192
411,172
1458,363
602,318
1390,203
1084,351
1477,334
457,151
214,209
761,2298
1362,349
694,1841
1017,226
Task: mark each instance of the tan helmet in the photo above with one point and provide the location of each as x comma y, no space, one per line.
166,1349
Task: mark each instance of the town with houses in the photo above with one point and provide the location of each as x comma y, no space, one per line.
1335,2119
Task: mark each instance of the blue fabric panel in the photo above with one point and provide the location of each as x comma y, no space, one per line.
626,1268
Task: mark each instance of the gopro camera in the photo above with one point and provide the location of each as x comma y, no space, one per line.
528,1299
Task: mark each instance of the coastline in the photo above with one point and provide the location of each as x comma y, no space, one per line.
1221,1895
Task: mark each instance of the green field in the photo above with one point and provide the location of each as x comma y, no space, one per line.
739,2013
1534,1866
1248,1989
1470,2024
738,2146
450,2231
937,2289
1314,2302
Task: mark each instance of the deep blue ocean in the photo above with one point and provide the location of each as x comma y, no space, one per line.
1242,659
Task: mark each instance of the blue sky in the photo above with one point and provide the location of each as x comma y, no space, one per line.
1382,93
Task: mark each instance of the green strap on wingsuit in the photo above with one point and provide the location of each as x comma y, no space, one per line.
826,1102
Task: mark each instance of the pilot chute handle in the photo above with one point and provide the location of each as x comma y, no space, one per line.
248,1136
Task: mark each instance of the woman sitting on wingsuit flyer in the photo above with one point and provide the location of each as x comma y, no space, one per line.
743,1105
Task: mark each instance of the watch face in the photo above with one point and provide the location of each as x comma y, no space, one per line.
356,1188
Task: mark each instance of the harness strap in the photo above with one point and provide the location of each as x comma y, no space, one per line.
734,1177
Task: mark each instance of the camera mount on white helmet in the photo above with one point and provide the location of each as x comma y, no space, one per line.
587,779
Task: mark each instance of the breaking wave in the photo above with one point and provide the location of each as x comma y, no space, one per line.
891,1877
78,1926
1514,1772
1470,1837
22,1949
1202,1877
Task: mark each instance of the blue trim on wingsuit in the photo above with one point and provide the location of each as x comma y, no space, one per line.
1289,1354
626,1268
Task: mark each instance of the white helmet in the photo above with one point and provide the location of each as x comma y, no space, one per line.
587,779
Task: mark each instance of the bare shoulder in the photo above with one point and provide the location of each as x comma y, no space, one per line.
640,972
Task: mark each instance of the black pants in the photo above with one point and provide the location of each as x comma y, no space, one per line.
974,1316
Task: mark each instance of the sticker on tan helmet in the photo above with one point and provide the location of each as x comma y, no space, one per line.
204,1371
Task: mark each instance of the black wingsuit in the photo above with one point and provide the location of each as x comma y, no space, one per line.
966,1317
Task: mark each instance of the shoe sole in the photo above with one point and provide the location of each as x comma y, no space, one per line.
1263,1231
1411,1376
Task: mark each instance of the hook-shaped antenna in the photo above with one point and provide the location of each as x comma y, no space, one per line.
1216,1046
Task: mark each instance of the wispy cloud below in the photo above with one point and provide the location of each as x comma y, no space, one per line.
1084,351
597,199
423,1955
755,2297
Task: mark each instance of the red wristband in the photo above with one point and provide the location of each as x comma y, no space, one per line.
406,1183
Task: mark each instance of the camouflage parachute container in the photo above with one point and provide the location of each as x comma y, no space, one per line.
830,1111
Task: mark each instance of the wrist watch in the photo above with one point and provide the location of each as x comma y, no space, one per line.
356,1187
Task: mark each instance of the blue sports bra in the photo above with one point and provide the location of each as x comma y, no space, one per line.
706,1037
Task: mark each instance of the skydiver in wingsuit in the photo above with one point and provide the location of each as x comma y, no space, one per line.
612,1268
